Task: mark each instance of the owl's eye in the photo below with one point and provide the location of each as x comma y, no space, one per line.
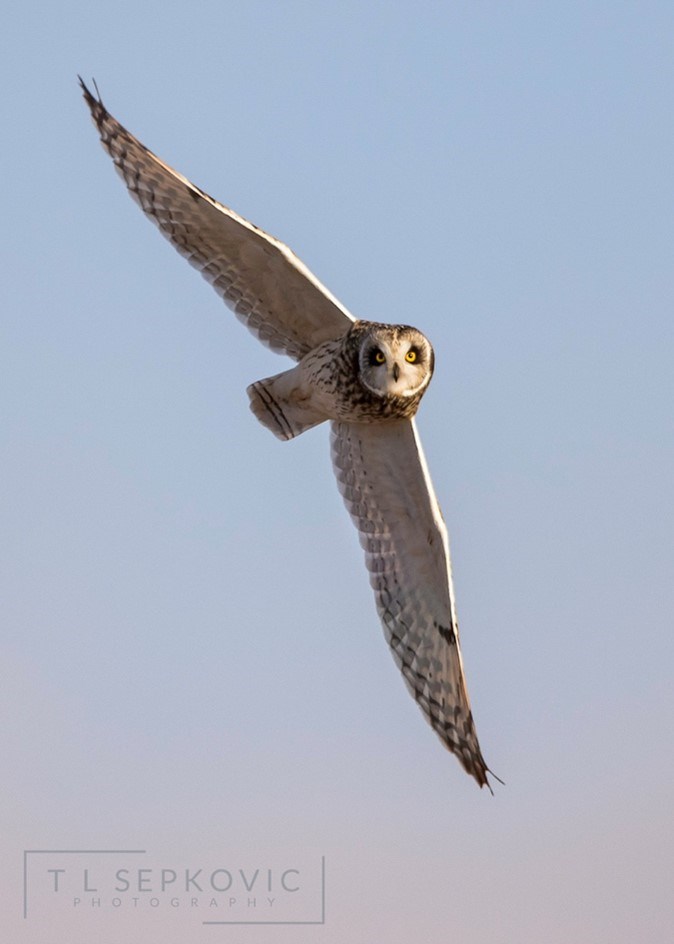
377,356
411,355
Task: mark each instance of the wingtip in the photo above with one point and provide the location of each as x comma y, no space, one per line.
90,99
486,783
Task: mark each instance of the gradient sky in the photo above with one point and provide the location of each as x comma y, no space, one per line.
192,660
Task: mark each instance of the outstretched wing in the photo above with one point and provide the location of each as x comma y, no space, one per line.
383,478
261,279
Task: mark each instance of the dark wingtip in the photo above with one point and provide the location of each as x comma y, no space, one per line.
91,101
495,776
99,112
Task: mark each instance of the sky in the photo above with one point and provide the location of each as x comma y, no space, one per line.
194,673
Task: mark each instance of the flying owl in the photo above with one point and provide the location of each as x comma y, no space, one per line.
367,379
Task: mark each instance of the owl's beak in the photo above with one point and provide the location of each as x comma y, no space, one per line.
396,372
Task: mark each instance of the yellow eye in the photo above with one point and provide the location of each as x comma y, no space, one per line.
379,357
411,356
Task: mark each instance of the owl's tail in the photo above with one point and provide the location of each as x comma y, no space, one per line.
278,405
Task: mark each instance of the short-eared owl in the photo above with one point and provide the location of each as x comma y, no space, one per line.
368,380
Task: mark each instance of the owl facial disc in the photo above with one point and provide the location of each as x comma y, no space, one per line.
395,361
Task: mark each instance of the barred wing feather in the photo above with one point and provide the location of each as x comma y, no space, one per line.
383,478
261,279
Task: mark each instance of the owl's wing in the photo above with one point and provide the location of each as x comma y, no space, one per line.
384,480
261,279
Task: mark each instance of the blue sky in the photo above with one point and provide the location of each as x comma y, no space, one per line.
194,665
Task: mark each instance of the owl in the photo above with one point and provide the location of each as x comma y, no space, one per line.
367,379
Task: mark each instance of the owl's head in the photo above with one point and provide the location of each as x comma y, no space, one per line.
395,361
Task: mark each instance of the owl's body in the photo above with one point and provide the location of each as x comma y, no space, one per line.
367,379
374,373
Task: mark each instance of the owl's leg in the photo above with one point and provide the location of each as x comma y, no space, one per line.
284,404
